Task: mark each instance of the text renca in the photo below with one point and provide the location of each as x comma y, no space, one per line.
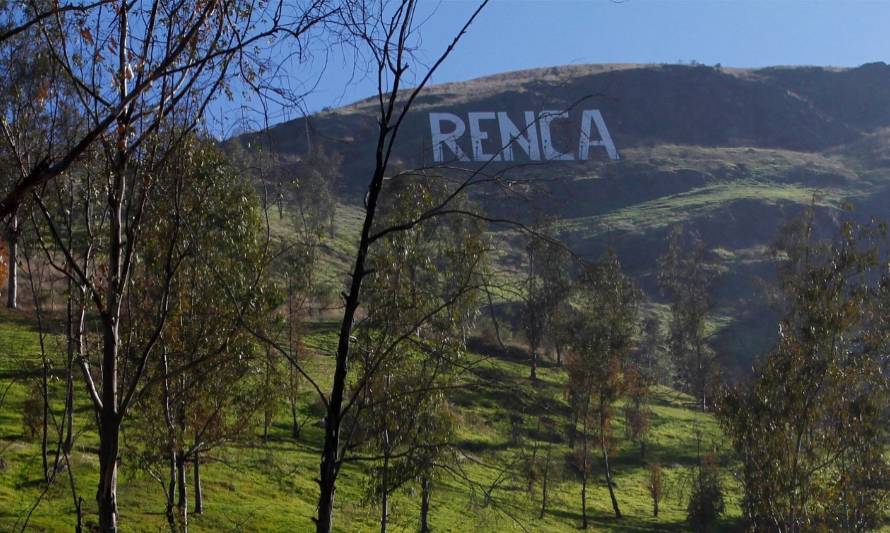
534,137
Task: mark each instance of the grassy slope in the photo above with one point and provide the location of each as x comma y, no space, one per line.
268,486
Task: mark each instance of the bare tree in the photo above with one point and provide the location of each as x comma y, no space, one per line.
387,36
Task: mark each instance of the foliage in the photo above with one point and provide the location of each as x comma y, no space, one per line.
706,503
601,345
686,278
811,432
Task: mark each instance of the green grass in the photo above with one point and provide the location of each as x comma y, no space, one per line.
253,485
668,210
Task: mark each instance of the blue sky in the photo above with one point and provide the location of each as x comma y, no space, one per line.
518,34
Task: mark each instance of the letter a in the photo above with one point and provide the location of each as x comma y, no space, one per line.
605,139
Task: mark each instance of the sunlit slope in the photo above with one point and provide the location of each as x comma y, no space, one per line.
253,485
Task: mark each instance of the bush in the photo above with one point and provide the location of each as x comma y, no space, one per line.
706,500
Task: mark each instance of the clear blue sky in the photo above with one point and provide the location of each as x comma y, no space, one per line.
518,34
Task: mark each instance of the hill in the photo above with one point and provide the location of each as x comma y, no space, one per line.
733,154
256,485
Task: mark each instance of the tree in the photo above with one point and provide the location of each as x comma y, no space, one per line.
29,105
123,198
602,343
811,432
547,288
534,311
686,277
388,36
655,486
203,389
420,300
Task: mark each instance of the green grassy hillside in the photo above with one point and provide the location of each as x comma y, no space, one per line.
252,485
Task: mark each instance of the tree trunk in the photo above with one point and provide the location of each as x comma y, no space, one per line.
183,501
171,492
199,494
12,242
109,419
384,510
584,472
44,436
171,446
558,354
295,427
534,365
424,504
384,501
106,495
584,497
330,451
655,507
544,484
605,450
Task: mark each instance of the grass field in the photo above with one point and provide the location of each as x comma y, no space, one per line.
252,485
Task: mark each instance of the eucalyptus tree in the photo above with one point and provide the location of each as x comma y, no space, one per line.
812,433
602,343
203,389
547,288
35,113
121,211
686,277
386,34
420,299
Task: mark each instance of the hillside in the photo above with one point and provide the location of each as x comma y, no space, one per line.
252,485
731,153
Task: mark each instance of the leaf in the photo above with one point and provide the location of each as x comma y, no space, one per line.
87,35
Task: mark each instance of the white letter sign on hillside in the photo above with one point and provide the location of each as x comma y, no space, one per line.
534,139
447,139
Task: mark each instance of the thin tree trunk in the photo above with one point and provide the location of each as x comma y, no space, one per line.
425,504
199,494
183,502
171,492
605,450
44,390
384,500
330,451
544,483
584,498
584,471
534,365
295,423
106,495
171,446
109,427
558,354
12,242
